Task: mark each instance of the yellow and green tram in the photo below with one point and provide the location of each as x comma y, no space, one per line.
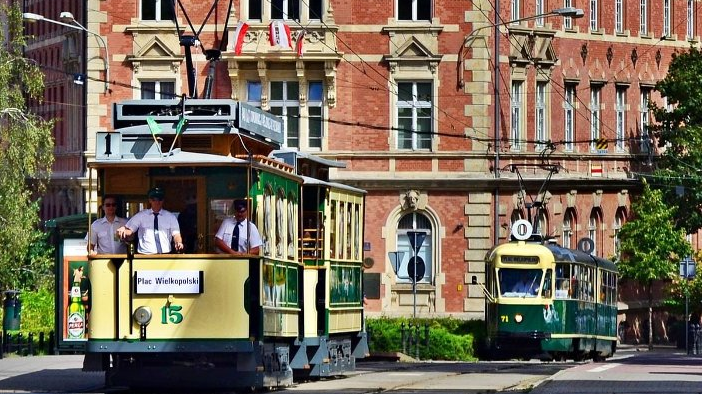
545,301
208,320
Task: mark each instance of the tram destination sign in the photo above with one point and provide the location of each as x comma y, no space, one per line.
169,282
259,122
519,260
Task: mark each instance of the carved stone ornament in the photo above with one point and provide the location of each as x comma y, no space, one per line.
410,200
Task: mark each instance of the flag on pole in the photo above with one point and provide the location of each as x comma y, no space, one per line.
300,41
238,37
280,34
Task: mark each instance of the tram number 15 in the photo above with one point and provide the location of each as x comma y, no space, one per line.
171,314
504,318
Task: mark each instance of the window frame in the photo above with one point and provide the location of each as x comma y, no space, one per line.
417,10
595,117
516,115
594,21
157,91
285,104
415,106
618,16
620,116
643,17
690,31
541,115
644,117
159,15
569,98
425,252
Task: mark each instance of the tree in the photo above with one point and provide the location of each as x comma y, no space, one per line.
651,246
678,130
26,152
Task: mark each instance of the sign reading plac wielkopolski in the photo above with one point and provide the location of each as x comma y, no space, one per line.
257,121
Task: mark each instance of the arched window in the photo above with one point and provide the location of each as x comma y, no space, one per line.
414,222
569,225
594,229
542,223
619,220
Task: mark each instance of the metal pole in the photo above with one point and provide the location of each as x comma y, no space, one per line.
414,280
687,322
496,124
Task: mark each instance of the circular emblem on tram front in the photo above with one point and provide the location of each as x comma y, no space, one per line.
522,229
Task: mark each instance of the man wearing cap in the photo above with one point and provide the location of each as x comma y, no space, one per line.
238,235
156,227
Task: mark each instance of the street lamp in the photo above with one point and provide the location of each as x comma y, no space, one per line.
687,272
68,20
566,12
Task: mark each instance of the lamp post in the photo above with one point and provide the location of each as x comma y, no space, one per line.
566,12
687,271
67,20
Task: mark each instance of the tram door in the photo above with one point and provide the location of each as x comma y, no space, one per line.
185,197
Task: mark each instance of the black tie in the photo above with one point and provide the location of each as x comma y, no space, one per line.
235,237
156,238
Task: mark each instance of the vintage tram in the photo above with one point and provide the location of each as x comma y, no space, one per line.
211,320
549,302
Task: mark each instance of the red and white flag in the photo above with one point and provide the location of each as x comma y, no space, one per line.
238,37
280,34
300,41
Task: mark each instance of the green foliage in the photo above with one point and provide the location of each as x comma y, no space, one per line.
449,339
692,288
680,131
26,152
651,247
38,310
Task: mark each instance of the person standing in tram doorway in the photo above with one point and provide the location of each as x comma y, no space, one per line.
102,238
156,227
238,235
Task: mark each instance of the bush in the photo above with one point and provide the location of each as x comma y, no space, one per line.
449,339
38,310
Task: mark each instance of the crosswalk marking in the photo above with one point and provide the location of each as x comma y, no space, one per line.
604,367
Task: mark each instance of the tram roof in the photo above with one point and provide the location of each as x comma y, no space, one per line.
291,156
565,254
318,182
177,157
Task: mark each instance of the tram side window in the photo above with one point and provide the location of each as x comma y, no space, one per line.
562,281
575,282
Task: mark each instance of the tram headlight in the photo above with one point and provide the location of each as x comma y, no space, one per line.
518,317
142,315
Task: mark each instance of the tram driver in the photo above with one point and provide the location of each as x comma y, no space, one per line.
526,286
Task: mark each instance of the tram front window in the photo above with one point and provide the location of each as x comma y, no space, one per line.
520,282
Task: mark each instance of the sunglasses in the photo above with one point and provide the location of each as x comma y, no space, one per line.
110,204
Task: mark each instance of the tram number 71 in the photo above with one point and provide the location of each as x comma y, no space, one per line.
504,318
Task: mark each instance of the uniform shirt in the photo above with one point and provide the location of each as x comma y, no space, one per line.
143,223
103,235
226,230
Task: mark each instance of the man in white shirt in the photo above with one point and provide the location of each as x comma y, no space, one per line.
156,227
238,236
102,237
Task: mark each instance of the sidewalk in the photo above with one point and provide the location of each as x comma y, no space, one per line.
47,374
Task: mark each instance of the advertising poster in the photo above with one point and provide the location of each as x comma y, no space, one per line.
75,302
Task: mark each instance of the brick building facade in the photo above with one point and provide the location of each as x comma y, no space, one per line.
403,92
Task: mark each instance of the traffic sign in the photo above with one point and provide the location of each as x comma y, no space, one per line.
416,238
601,145
416,274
